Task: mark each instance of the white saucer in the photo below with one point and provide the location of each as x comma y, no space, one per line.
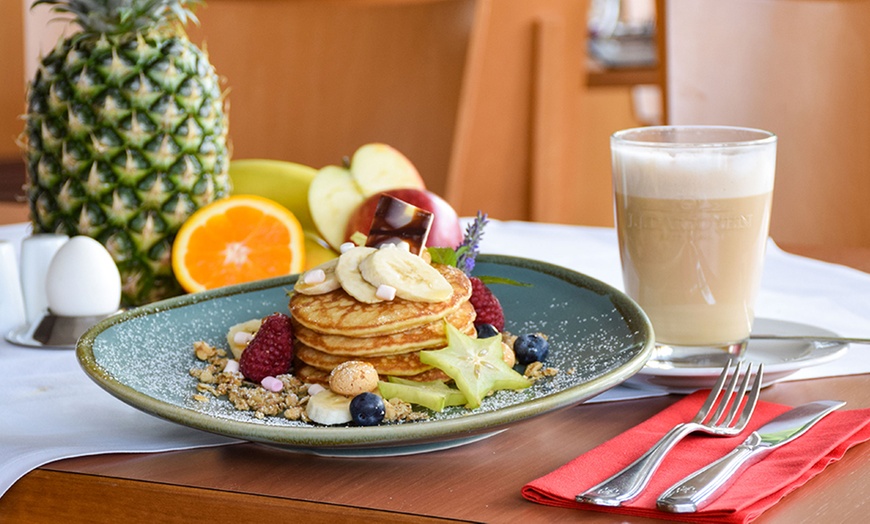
23,336
780,358
52,331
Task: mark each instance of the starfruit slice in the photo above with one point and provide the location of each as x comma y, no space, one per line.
434,395
475,365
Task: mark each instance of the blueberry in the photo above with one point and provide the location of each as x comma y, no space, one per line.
485,330
531,347
367,409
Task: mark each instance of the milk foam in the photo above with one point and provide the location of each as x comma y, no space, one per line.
696,173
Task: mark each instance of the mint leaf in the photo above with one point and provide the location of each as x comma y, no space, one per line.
443,255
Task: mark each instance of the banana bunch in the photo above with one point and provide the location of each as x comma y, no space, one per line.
373,275
286,183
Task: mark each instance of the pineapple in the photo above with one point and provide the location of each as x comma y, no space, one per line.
125,135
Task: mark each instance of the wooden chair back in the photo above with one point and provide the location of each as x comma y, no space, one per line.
800,68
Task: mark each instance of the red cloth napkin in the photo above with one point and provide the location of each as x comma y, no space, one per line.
759,487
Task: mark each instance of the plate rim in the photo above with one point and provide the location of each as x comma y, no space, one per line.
347,437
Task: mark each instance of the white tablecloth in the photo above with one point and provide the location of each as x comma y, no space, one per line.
51,410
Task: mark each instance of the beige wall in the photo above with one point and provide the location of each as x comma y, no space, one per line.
25,34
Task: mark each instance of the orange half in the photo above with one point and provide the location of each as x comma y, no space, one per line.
237,239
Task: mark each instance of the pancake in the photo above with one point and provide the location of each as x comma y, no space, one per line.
396,365
312,375
337,313
427,336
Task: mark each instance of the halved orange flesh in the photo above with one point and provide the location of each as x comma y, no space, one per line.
237,239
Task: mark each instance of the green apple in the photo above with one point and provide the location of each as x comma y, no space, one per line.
332,198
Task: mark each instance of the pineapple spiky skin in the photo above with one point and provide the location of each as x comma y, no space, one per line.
125,137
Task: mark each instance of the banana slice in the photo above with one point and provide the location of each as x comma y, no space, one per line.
318,280
410,275
348,273
241,334
328,408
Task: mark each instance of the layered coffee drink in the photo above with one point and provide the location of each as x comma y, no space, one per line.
692,214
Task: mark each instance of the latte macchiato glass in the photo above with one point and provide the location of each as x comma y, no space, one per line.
692,215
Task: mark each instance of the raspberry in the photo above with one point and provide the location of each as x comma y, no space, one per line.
270,352
486,305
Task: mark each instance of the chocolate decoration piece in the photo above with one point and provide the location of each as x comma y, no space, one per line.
398,222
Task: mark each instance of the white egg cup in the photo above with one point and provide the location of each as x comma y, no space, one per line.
78,288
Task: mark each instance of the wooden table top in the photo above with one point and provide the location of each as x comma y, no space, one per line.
478,482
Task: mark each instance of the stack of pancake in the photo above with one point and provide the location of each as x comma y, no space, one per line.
333,327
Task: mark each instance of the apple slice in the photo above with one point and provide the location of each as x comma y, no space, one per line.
378,167
332,197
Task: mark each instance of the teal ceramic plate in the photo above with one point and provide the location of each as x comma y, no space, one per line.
598,339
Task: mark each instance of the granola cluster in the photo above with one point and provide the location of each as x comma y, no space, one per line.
537,371
215,381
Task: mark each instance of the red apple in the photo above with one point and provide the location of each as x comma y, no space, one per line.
336,191
445,232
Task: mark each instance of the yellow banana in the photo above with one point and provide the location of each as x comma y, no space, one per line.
317,251
284,182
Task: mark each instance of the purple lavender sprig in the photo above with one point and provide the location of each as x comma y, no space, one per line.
465,253
470,246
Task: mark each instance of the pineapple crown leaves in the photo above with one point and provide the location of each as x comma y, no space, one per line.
124,16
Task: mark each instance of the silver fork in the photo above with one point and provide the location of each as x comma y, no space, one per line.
627,484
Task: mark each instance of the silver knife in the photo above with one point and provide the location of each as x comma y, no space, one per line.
703,486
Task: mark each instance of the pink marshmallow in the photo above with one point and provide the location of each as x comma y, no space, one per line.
272,384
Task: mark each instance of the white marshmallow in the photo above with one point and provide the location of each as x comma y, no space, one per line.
315,276
385,292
